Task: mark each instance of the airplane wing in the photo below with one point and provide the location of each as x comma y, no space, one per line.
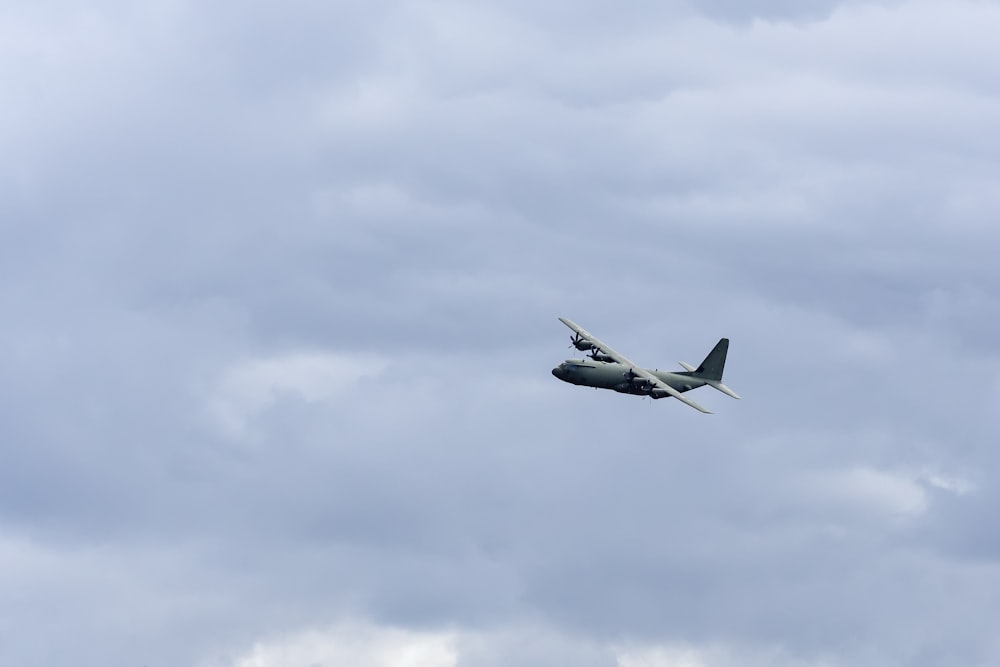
638,371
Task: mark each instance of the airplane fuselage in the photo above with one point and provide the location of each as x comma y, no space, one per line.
615,376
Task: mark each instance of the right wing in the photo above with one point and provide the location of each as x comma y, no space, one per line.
636,370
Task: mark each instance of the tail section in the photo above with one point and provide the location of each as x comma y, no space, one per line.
711,369
715,362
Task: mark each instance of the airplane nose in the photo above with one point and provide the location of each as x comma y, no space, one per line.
557,372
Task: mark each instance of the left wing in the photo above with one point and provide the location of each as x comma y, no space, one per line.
636,370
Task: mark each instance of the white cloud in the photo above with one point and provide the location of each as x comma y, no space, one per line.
354,645
692,655
894,494
950,483
249,387
889,493
366,644
664,657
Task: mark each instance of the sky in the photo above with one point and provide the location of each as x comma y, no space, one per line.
279,286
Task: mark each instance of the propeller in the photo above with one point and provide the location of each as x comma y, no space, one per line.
597,354
580,343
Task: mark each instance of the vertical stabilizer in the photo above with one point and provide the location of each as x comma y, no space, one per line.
715,362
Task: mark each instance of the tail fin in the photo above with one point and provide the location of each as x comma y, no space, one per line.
715,362
711,369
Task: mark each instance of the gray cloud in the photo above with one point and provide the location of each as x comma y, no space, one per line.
280,292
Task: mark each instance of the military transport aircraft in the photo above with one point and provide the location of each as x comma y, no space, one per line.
607,369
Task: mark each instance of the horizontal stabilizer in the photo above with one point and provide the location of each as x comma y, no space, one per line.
688,367
723,388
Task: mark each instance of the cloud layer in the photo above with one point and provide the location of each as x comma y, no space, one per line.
280,288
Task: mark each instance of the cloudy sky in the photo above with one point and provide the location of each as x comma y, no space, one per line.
279,292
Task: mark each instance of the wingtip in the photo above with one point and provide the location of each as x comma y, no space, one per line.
725,390
694,405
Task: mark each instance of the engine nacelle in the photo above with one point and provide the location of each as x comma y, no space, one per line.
598,356
583,345
635,380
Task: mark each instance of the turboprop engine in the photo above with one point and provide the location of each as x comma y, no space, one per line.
635,383
581,343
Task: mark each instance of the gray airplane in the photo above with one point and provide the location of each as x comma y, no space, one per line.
607,369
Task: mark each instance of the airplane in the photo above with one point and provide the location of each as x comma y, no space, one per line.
608,369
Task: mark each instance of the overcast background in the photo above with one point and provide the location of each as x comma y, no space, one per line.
279,295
